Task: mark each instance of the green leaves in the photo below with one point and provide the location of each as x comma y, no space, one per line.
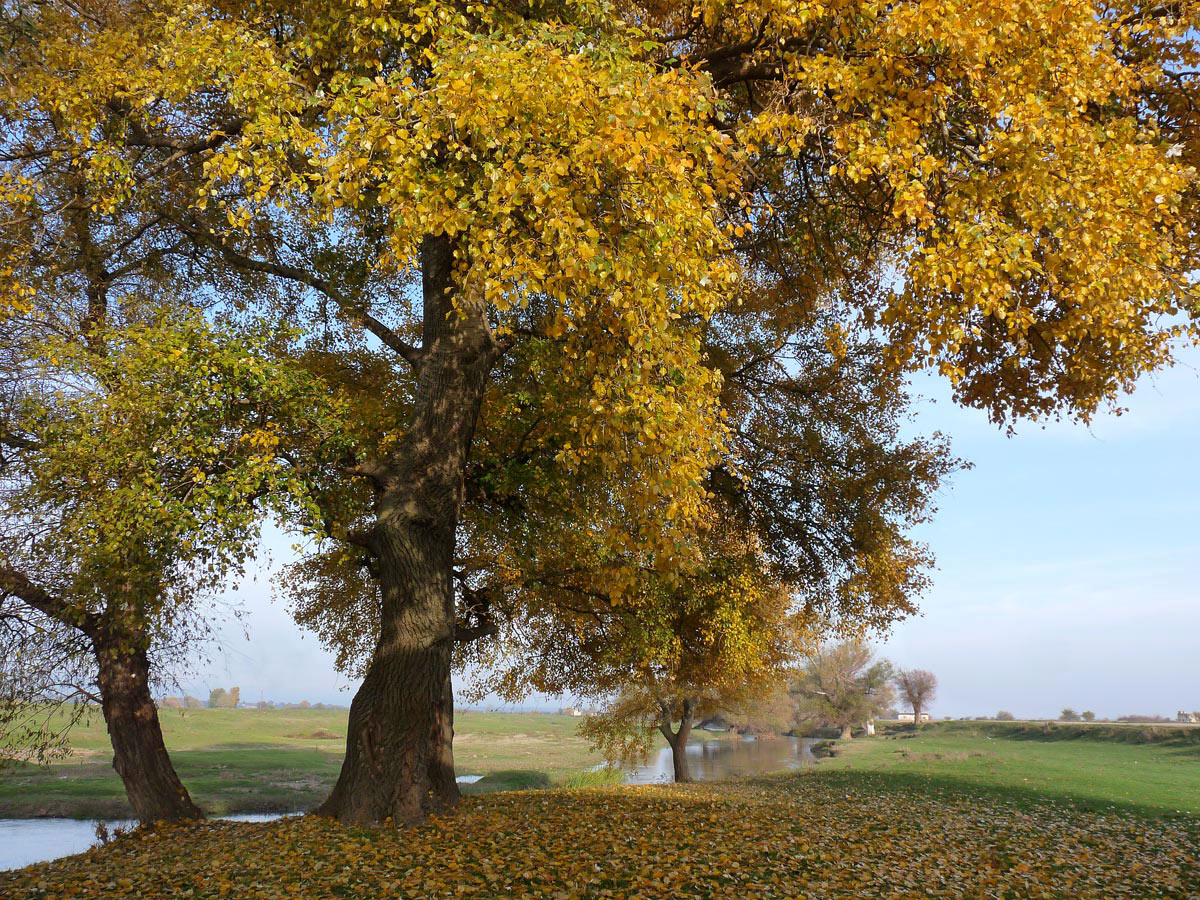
157,452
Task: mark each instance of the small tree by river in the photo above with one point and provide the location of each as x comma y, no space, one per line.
843,685
918,687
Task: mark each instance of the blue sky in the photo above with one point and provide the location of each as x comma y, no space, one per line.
1068,571
1068,561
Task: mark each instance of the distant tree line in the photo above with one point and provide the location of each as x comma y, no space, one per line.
220,698
841,686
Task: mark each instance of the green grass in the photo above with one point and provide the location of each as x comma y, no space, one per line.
284,760
287,760
1147,772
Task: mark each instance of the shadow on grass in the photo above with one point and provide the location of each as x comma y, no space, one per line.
1159,735
257,780
507,780
946,786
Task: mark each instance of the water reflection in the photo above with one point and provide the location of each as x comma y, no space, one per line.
26,841
713,760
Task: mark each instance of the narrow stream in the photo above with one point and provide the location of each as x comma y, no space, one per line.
25,841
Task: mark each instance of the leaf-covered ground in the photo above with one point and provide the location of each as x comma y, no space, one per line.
828,835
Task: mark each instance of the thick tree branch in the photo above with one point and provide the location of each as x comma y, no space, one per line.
16,584
388,337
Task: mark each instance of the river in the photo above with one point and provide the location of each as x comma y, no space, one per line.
25,841
714,760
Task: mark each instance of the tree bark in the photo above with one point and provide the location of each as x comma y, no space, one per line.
846,733
139,754
123,677
399,762
677,740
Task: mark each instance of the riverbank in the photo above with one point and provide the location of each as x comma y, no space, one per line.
831,834
1144,770
286,760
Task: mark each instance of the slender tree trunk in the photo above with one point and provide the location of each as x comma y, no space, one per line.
123,676
677,739
846,733
139,754
399,761
916,716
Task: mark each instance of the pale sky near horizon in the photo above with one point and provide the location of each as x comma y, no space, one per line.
1068,571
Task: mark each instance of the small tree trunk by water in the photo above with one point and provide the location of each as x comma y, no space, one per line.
679,761
677,739
139,754
121,648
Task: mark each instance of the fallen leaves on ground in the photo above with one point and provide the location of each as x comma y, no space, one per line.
826,836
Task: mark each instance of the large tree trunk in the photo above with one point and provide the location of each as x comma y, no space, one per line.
846,733
139,754
399,763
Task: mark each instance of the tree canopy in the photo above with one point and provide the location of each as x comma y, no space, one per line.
843,685
541,248
139,469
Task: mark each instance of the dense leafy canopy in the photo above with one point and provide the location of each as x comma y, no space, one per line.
140,471
691,251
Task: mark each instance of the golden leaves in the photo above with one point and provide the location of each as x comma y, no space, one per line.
1025,175
829,836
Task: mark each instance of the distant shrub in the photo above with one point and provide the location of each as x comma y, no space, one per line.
1004,716
1068,715
219,698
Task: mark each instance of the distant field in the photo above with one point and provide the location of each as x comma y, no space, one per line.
1149,770
248,760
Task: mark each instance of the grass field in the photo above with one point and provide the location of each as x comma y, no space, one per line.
286,760
959,811
251,760
283,760
827,834
1149,771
